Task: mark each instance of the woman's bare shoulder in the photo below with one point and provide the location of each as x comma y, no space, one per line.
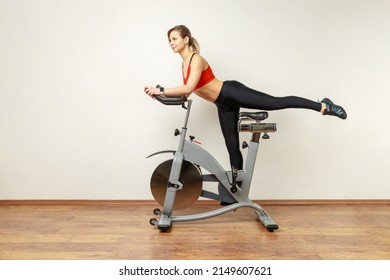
200,60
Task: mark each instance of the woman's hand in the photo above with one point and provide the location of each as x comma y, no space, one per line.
151,91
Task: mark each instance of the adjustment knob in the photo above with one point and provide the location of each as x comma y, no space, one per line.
244,145
177,132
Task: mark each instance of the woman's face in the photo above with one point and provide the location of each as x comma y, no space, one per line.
176,42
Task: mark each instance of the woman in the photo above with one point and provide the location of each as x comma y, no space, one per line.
229,96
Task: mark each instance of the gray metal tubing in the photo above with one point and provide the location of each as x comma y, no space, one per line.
217,212
184,128
169,202
195,153
174,176
249,167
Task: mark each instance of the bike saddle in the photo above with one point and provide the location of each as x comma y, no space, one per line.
257,116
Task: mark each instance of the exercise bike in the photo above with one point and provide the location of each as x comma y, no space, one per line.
177,183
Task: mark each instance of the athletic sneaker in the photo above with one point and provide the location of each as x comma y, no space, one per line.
333,109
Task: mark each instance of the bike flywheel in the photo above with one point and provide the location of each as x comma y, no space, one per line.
190,177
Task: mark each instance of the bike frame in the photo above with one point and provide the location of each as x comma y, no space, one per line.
192,152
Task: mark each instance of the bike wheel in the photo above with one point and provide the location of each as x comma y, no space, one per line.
191,178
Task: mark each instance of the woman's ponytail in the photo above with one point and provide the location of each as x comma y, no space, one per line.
194,45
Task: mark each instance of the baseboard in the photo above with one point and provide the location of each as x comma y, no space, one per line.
200,202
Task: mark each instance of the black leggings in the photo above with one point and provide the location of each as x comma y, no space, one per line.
235,95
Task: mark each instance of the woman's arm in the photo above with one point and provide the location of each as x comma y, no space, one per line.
186,90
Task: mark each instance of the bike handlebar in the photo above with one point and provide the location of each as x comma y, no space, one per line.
171,100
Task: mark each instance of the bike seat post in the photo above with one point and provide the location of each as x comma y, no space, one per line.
252,122
256,137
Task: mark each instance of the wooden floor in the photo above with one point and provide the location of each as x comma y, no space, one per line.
100,231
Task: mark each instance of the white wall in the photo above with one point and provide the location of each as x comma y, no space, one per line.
75,124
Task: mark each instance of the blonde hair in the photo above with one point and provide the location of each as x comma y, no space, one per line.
185,32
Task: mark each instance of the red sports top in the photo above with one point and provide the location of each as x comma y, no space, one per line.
206,77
